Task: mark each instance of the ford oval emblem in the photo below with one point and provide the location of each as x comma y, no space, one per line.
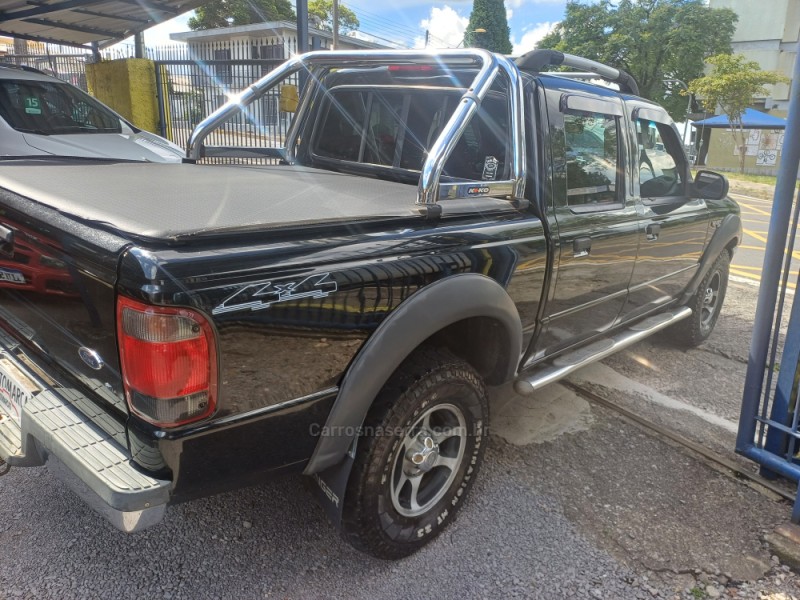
91,358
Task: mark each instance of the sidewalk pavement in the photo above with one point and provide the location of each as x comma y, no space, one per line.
686,528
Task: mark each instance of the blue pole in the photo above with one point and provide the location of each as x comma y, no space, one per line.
770,276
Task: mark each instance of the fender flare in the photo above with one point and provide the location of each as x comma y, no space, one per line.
431,309
730,228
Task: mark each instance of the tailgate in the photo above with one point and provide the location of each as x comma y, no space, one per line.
57,308
61,401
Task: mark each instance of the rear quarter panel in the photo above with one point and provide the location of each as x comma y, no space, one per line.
291,312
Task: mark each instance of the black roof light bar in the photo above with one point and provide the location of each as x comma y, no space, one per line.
536,60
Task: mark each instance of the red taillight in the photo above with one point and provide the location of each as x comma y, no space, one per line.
169,362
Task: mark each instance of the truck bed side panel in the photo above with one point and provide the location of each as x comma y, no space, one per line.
292,313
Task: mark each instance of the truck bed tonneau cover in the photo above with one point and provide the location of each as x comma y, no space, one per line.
170,201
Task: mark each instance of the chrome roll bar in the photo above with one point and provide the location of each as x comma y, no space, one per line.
430,191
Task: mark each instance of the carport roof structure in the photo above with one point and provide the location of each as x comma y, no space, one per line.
85,23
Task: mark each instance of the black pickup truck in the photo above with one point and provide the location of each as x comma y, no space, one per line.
435,223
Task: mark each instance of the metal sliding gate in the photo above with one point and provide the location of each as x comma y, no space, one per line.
769,425
188,90
68,67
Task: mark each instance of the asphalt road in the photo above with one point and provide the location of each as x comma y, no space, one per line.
273,541
749,259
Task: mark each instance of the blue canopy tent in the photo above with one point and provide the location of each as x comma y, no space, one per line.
751,119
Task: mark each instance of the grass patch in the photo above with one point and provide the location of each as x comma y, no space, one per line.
769,180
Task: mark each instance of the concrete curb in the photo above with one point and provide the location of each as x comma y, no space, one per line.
785,543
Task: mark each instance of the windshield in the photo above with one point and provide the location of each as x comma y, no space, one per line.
51,108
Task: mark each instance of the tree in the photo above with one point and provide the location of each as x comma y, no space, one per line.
731,85
488,27
224,13
323,10
653,40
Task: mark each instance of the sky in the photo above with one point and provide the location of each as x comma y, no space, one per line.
405,21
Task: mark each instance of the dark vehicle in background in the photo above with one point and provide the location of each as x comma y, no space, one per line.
436,223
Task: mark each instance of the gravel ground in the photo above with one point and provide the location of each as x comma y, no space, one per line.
750,188
273,541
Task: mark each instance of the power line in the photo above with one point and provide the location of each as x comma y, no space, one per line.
391,31
382,23
389,23
367,23
388,35
377,37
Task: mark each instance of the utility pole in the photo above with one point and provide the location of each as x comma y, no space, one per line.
302,39
138,45
427,37
335,24
302,26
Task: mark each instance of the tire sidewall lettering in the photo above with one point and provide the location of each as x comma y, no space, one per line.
440,515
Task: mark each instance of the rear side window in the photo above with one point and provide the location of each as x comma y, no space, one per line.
341,133
52,108
369,127
396,128
592,150
481,152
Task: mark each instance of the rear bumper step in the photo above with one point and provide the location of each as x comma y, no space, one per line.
572,361
95,466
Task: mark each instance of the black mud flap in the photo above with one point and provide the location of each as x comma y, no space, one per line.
331,484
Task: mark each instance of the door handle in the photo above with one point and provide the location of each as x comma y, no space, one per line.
652,232
581,246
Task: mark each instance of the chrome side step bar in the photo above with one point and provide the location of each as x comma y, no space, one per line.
567,363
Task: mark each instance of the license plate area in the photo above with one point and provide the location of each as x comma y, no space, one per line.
12,276
16,389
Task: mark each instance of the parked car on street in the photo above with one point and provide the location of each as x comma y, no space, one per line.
42,115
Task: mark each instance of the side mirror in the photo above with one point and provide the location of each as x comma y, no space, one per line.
710,186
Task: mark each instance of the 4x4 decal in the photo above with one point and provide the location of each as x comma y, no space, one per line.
262,295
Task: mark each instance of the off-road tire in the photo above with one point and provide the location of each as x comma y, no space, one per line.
695,329
433,384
